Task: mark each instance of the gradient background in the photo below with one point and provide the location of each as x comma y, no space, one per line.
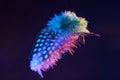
21,21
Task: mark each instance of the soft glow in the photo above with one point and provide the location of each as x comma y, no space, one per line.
60,36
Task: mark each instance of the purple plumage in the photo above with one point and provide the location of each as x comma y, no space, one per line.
44,51
60,36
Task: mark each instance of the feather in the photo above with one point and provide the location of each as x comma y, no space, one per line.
60,36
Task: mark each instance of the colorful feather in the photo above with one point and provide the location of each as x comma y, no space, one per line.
60,36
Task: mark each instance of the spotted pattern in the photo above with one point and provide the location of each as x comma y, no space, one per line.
45,44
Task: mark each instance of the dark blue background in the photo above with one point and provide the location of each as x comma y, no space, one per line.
98,59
